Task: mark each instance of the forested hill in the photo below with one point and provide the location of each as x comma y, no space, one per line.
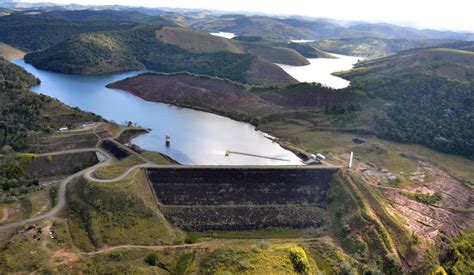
160,49
35,32
429,95
285,29
372,47
15,76
24,115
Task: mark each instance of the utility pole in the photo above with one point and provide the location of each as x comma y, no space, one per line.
350,160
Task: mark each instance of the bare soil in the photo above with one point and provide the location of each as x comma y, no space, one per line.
197,92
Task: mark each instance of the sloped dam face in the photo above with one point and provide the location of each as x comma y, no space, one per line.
242,198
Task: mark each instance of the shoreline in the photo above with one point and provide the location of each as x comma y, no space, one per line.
246,119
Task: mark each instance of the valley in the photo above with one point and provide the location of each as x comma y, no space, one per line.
296,145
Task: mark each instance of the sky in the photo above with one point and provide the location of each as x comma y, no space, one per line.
455,15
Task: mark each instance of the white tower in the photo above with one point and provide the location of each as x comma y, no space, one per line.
350,160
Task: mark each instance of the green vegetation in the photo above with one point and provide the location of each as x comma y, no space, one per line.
299,260
268,233
134,49
255,259
354,206
125,261
426,102
113,214
117,169
24,114
308,51
332,260
13,176
285,29
36,32
460,259
372,47
424,198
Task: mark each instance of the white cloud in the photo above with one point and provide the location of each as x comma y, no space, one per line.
453,14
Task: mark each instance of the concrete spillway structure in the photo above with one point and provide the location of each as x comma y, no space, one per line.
198,198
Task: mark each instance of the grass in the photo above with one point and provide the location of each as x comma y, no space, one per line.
28,251
270,233
378,152
31,204
256,258
117,169
331,259
123,261
399,237
117,213
156,158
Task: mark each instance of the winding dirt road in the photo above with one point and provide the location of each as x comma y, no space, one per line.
88,173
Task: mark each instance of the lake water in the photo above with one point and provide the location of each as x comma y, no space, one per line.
321,69
227,35
302,41
196,137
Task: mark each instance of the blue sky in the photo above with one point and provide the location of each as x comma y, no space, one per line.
453,14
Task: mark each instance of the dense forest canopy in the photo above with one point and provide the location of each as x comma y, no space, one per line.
134,49
36,32
425,103
23,113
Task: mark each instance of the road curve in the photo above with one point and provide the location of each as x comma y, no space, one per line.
89,174
62,188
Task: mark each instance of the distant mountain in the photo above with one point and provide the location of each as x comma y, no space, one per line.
285,29
109,15
164,49
429,95
374,47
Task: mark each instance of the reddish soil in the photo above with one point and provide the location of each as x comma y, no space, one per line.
127,135
196,92
265,73
452,214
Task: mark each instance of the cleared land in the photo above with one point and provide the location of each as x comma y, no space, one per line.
8,52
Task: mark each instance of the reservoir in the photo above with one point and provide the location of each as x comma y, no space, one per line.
321,69
228,35
196,137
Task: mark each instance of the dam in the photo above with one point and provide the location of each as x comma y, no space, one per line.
203,198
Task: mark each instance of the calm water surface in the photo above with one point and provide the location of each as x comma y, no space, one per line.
321,69
196,137
227,35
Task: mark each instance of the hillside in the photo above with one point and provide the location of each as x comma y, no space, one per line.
198,92
110,15
9,52
36,32
429,94
373,47
157,48
286,29
25,114
304,102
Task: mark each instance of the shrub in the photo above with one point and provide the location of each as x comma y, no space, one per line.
152,259
299,260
